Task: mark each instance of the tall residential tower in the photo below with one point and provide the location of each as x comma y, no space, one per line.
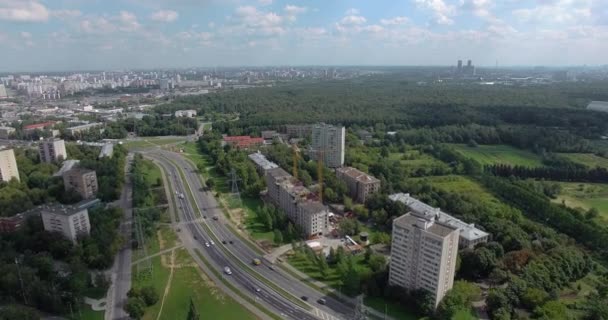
52,150
328,140
8,165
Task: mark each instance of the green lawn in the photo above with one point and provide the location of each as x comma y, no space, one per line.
588,159
190,283
86,313
417,160
585,196
499,154
392,309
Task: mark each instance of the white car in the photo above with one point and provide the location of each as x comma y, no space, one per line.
212,243
207,244
227,270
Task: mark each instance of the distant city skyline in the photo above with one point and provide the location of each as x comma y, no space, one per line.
72,35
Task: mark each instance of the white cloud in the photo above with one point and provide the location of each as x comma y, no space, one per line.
352,12
479,8
559,11
394,21
128,21
352,20
442,12
292,11
265,2
23,11
66,14
164,16
103,25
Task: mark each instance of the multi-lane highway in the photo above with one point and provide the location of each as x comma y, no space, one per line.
192,220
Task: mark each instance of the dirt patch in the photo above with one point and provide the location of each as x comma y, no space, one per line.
161,241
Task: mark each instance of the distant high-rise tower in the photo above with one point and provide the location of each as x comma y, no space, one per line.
459,70
52,150
328,140
469,63
8,165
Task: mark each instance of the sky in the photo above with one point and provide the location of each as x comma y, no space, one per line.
54,35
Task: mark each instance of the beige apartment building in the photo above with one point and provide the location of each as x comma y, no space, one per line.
52,150
298,203
8,165
423,255
360,184
70,220
83,181
328,142
5,132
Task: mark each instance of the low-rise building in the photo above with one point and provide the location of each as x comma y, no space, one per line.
360,184
82,128
423,255
185,113
8,165
83,181
70,220
52,150
261,163
300,205
38,126
298,130
106,150
66,166
11,224
470,236
243,142
5,132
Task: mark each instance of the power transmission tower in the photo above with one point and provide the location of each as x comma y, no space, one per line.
192,312
144,266
234,180
360,309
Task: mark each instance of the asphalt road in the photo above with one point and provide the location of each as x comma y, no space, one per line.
121,270
208,206
241,279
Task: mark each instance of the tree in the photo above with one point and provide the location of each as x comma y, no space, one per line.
278,236
306,178
458,298
534,297
149,295
192,312
377,262
552,310
323,267
350,277
135,307
348,203
361,212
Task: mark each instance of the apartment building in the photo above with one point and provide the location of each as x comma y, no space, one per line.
360,184
70,220
470,236
83,181
261,163
423,255
52,150
298,130
6,132
185,113
83,128
299,204
328,142
8,165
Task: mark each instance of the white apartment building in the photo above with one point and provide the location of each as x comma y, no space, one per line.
328,140
423,255
470,236
69,220
52,150
185,113
297,201
8,165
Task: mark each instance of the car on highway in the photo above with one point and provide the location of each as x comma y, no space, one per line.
257,290
230,242
227,271
215,218
207,244
322,301
212,243
195,237
256,262
305,298
224,241
204,217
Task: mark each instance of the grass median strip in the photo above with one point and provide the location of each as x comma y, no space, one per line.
234,289
243,265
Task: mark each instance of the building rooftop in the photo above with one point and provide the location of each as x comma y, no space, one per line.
67,165
358,175
277,173
423,210
84,126
39,125
432,226
67,209
261,161
106,150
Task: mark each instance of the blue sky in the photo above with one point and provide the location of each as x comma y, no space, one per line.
116,34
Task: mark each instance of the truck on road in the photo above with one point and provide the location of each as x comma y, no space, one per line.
256,262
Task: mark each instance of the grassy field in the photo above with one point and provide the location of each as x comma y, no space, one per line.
86,313
392,309
416,160
585,196
411,160
588,159
499,154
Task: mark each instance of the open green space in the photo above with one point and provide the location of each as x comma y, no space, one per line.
588,159
392,309
417,160
585,196
86,313
413,161
499,154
